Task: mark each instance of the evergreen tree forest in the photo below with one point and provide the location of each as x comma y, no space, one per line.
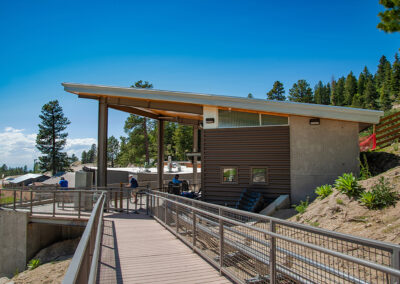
377,91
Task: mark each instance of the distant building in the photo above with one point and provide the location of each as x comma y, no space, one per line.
28,179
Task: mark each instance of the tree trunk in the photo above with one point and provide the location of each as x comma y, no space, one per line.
146,141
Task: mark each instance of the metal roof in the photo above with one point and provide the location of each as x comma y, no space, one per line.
193,99
25,177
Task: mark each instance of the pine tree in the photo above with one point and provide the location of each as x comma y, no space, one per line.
370,95
338,93
277,92
51,139
327,98
361,84
381,73
395,80
390,18
385,98
350,89
250,96
112,149
319,92
144,85
84,157
183,138
301,92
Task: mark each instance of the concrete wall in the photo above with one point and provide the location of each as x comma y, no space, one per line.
21,240
13,236
320,153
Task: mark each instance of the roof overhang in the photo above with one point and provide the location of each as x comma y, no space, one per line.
188,106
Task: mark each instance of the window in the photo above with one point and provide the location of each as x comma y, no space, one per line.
229,175
273,120
259,175
228,118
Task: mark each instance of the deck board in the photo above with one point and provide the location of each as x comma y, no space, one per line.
137,249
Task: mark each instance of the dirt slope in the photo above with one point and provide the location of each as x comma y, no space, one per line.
339,213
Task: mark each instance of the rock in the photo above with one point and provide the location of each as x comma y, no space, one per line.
4,280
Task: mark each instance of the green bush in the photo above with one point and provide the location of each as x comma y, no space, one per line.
301,208
347,184
382,195
33,263
323,191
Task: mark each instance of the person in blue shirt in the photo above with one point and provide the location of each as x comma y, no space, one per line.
133,182
176,180
63,182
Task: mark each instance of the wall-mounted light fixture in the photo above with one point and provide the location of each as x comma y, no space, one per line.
314,121
210,120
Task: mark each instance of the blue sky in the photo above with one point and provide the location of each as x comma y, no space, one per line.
220,47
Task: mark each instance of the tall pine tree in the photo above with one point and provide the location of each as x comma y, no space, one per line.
51,138
277,92
301,92
350,89
395,80
370,95
338,93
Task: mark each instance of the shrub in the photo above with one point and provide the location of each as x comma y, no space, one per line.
382,195
33,263
323,191
339,201
347,184
301,208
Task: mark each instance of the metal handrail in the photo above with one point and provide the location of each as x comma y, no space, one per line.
359,240
88,249
393,272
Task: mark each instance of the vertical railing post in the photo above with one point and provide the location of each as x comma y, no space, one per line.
221,242
395,265
177,218
147,203
272,255
31,205
79,204
54,203
158,207
194,226
20,197
165,211
15,200
128,194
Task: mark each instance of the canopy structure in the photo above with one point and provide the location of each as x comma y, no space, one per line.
189,108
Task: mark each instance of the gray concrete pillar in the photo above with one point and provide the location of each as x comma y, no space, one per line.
102,143
160,162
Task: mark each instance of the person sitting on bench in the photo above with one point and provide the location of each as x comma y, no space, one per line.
176,180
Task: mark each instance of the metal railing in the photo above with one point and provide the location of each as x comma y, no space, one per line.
50,201
252,248
84,264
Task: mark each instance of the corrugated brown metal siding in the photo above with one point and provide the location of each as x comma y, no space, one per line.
245,148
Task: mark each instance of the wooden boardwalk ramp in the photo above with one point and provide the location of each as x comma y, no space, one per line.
137,249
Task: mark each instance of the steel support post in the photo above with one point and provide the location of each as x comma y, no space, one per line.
102,143
20,197
195,150
272,254
128,194
160,162
147,204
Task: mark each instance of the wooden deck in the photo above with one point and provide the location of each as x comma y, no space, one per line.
137,249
